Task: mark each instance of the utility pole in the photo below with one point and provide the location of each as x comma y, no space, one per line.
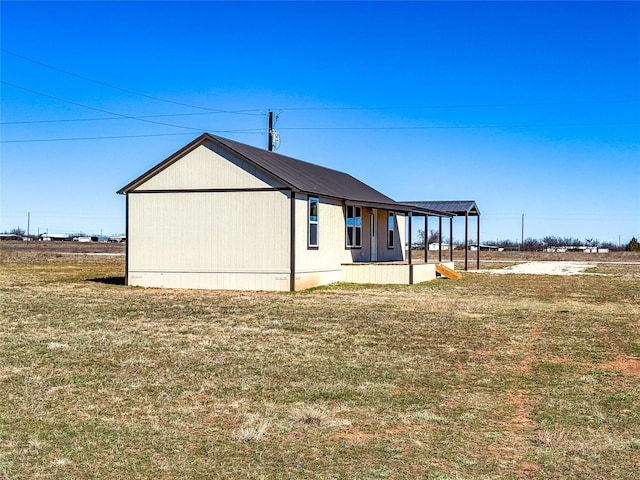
270,131
522,238
28,222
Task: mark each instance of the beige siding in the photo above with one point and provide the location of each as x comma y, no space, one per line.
386,254
399,274
375,273
230,240
206,168
424,272
401,232
319,265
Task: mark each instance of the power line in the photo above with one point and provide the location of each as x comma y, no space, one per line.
110,137
468,105
435,127
69,120
126,90
262,131
424,107
71,102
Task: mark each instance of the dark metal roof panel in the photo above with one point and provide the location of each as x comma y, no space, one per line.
308,177
457,207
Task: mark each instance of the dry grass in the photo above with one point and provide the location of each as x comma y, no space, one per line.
489,377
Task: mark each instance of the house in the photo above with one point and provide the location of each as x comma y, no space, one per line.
219,214
11,237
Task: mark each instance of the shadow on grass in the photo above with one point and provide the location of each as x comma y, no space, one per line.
107,280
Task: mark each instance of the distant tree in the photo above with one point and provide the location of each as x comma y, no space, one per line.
532,244
612,246
508,245
634,245
17,231
434,237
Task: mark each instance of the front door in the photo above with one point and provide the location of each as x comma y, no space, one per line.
374,241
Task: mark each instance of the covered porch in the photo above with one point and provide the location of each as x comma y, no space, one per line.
446,209
411,269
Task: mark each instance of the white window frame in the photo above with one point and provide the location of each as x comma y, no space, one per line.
312,221
391,230
354,228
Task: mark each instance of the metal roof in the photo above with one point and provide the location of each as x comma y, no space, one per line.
310,178
299,175
456,207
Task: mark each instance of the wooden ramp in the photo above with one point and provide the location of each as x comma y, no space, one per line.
447,272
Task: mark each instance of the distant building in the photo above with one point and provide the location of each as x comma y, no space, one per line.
435,246
486,248
85,239
11,237
55,237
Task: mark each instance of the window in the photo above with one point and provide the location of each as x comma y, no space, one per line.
391,230
313,221
354,227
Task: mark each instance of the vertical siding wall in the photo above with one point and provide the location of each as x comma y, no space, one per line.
209,239
319,265
209,167
386,254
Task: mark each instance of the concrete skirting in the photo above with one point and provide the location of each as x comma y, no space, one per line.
390,273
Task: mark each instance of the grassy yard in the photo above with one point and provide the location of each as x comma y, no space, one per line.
492,376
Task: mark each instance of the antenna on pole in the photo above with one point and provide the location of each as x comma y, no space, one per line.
274,137
270,131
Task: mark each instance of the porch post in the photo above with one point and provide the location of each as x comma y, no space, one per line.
410,218
439,239
451,239
466,241
426,238
478,257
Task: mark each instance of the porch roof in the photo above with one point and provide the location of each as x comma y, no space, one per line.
453,207
399,208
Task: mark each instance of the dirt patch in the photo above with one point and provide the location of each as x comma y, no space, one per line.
536,331
356,436
521,419
524,367
629,366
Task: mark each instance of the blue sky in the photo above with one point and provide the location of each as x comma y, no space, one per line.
526,108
